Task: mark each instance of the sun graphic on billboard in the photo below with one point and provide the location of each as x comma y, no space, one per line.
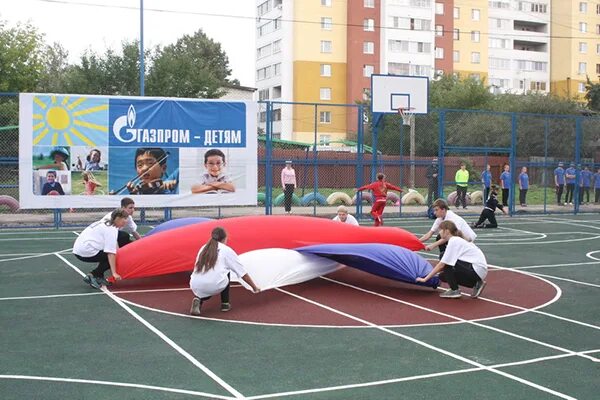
70,121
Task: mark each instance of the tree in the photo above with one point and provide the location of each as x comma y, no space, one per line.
52,79
592,95
21,57
463,94
195,66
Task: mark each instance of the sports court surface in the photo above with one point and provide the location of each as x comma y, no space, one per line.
534,334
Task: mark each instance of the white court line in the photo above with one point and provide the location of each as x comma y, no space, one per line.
118,384
589,255
411,378
35,239
520,230
34,255
545,242
431,347
456,318
557,265
164,337
17,254
564,279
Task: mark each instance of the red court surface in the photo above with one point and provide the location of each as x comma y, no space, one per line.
376,300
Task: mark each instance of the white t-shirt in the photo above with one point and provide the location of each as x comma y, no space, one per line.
460,249
95,238
129,227
213,281
349,219
460,223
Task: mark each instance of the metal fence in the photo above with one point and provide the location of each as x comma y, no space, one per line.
338,147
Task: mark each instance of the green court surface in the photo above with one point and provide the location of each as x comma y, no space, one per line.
534,334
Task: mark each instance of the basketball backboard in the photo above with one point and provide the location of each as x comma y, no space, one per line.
391,92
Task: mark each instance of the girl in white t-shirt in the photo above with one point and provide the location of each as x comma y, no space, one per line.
98,243
462,264
214,263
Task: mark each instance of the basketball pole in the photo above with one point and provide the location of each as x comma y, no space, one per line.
412,152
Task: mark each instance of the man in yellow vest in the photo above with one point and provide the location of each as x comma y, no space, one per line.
462,180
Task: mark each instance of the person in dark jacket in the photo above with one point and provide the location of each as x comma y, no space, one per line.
488,212
432,181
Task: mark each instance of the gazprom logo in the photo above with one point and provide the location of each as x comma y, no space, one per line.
124,131
122,122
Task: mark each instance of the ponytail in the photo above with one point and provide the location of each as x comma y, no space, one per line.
118,213
451,227
210,252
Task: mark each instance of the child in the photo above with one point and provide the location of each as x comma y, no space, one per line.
151,167
92,161
586,182
98,243
559,182
462,181
571,176
379,188
486,179
463,264
597,187
288,184
344,216
52,186
214,179
489,210
505,181
523,186
90,182
60,155
214,263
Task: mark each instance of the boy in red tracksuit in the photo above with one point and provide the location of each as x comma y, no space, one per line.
379,188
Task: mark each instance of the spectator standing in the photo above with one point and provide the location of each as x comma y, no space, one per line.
559,182
523,186
505,183
462,181
432,181
288,183
486,179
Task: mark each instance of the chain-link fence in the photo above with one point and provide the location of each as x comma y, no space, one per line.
335,148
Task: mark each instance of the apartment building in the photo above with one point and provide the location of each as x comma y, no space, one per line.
325,51
575,46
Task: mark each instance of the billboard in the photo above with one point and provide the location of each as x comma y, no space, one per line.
90,151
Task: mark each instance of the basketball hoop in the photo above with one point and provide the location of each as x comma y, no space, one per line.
407,115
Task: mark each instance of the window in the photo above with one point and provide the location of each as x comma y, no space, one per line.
475,77
369,3
497,43
475,57
597,29
582,47
276,46
325,94
582,68
581,87
582,7
325,69
324,140
537,85
456,56
277,69
276,115
439,8
499,23
598,9
325,46
263,73
475,36
277,92
263,51
264,8
422,47
277,23
263,94
598,49
326,3
582,27
325,117
597,69
475,14
500,4
368,70
369,25
499,63
456,34
439,53
439,30
456,13
398,46
326,23
368,48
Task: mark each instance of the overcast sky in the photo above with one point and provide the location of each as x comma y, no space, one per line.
97,24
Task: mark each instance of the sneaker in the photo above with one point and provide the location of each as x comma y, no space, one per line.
225,307
91,280
478,288
103,281
451,294
196,304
